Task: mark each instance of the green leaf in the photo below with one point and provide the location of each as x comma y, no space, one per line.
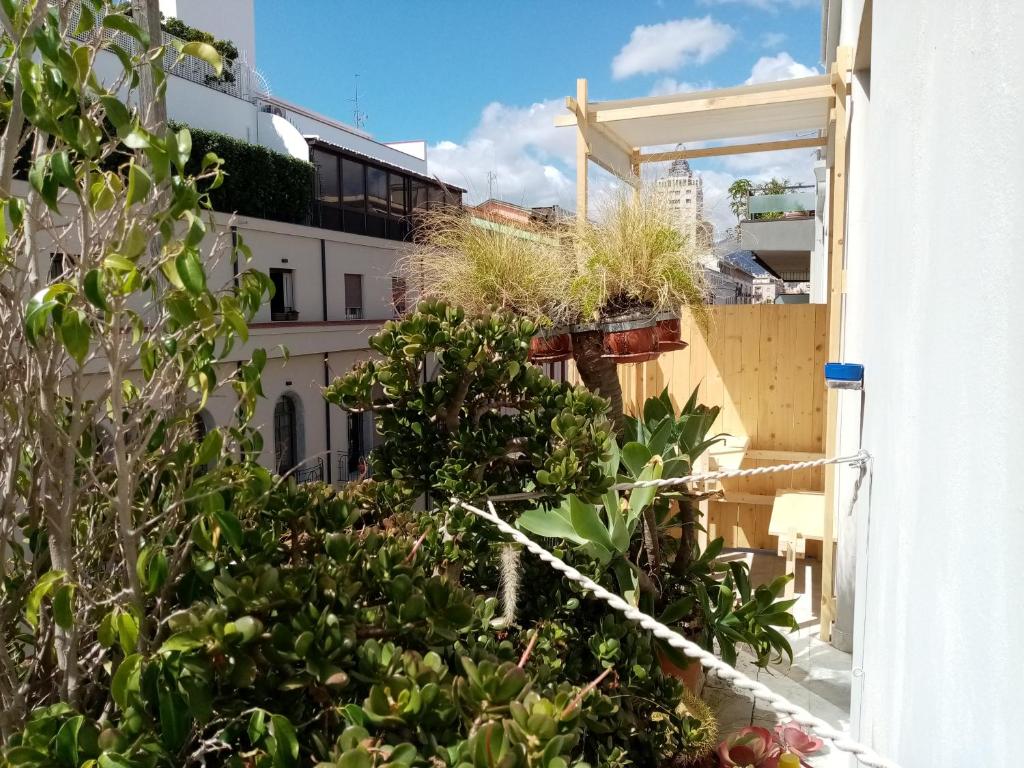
183,146
209,449
93,288
66,743
39,592
230,527
127,627
139,183
190,270
63,173
206,52
121,23
63,606
75,334
86,20
552,524
587,523
640,498
257,726
174,720
114,760
126,679
117,113
635,457
286,747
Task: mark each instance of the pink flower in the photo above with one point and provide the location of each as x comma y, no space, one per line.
752,746
792,738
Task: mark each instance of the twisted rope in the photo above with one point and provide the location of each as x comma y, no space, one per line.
779,703
856,459
724,474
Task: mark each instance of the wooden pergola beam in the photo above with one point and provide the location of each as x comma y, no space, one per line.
836,289
714,103
733,149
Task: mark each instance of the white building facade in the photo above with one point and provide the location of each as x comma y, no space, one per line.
682,193
938,524
335,274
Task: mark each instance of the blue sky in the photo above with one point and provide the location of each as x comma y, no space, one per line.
481,80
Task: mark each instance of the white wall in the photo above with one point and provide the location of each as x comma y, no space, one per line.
233,20
940,328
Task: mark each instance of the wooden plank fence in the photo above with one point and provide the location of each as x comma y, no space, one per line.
762,363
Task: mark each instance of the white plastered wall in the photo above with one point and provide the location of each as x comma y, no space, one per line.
933,310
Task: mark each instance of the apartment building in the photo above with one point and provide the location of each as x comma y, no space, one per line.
334,269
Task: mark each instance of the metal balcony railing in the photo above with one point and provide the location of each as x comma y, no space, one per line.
238,79
346,474
797,201
311,474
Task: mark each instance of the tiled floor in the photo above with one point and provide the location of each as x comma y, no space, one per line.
819,678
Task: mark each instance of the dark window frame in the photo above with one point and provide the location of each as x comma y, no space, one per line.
395,223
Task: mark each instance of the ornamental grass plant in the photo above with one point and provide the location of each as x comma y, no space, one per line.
479,264
633,259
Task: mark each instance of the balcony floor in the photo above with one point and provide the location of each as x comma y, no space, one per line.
820,677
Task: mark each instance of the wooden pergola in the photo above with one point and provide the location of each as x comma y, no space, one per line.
621,135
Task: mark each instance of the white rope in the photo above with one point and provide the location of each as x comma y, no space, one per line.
839,740
856,459
724,474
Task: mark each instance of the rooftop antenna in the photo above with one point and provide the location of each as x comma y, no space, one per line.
492,177
358,117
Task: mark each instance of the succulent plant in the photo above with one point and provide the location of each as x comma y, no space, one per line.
750,747
795,740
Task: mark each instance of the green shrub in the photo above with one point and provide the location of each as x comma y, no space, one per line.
226,48
258,181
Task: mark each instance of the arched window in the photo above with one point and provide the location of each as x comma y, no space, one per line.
286,435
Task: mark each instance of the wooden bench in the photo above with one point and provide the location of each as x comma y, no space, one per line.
797,516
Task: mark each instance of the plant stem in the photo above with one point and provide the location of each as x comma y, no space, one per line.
600,374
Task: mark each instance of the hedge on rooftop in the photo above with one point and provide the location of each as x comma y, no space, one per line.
259,182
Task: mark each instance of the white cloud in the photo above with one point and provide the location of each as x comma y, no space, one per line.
767,5
533,162
782,67
772,39
667,46
666,86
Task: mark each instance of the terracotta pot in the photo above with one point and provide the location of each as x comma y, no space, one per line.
692,675
633,341
668,335
550,349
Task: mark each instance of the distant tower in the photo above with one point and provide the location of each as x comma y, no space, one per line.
683,194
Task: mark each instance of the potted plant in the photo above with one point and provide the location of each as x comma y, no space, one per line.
635,271
481,265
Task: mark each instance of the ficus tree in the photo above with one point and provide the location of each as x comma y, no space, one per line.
112,337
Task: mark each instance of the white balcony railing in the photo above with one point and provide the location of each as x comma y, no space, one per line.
238,79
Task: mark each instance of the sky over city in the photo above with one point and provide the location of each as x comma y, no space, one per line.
481,82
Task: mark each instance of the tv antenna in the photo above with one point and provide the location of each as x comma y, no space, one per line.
492,177
358,116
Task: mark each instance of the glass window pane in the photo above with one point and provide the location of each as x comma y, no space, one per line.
328,183
377,189
353,186
419,194
396,185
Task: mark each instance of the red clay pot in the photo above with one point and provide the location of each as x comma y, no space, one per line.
668,335
550,349
631,342
692,675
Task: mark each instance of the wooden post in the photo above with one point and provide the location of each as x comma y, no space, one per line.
836,291
582,150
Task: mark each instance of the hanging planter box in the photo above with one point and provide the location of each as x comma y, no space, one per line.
631,341
669,334
550,347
